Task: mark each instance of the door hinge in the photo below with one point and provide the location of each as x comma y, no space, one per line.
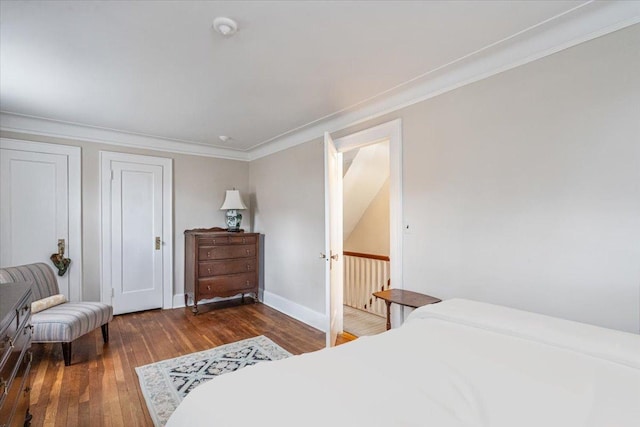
113,292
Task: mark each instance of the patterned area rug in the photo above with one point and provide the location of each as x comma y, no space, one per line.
165,383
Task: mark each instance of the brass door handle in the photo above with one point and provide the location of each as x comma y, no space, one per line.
158,243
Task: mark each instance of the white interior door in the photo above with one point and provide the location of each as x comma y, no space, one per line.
37,209
134,228
333,238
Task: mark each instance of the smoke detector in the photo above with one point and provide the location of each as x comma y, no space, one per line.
225,26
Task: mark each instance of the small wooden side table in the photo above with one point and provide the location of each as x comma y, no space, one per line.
404,298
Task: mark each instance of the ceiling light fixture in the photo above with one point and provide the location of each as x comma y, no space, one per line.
225,26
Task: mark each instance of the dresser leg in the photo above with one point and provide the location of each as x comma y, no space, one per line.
186,299
194,309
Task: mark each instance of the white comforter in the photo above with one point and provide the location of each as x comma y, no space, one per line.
457,363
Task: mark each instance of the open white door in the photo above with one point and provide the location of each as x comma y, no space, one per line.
333,238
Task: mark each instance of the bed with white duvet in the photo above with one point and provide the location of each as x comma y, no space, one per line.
456,363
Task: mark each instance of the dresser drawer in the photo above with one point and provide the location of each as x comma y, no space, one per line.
22,342
227,285
227,240
7,340
16,397
226,252
216,268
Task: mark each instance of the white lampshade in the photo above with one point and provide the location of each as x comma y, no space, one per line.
233,201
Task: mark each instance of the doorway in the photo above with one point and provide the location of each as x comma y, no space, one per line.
136,204
366,238
390,132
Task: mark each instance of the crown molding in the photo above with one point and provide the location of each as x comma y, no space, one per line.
12,122
583,23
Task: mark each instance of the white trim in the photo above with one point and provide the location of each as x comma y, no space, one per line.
178,301
292,309
106,157
391,131
588,22
74,171
12,122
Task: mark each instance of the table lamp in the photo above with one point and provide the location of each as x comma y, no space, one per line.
233,203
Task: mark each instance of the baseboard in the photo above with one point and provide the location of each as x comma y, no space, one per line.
283,305
178,301
295,310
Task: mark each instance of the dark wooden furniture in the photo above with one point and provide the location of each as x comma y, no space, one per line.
15,354
404,298
220,264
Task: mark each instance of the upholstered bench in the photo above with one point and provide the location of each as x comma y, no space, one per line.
64,322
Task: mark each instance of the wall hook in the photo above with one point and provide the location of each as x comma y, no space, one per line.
58,259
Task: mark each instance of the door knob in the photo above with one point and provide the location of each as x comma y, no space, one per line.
323,256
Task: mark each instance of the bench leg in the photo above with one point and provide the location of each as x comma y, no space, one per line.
105,333
66,353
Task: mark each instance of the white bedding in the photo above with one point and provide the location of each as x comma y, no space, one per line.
457,363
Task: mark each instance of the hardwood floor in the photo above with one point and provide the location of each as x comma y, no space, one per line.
101,388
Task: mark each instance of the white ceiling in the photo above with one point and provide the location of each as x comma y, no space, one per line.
160,71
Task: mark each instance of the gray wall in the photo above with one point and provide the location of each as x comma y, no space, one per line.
288,205
522,189
199,185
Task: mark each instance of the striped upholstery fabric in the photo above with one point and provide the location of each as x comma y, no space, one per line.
40,274
61,323
68,321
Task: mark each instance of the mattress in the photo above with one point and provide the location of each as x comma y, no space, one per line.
457,363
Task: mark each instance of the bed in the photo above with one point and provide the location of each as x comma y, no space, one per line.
457,363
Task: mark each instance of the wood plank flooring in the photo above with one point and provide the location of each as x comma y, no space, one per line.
101,388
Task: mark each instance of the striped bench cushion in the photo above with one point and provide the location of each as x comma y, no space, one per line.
68,321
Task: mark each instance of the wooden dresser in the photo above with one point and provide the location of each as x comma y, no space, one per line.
15,353
220,264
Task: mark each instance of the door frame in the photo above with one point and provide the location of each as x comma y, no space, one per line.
74,188
391,131
106,157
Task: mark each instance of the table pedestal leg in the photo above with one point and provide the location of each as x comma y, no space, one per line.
388,314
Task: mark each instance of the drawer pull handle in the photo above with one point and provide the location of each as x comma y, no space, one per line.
214,241
247,283
248,266
11,343
208,254
244,240
208,287
247,251
209,270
